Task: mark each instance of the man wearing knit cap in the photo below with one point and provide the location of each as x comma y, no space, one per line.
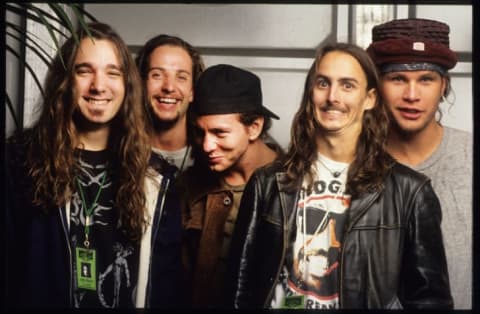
230,124
413,57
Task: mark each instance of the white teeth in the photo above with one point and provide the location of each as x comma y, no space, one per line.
168,100
97,101
333,110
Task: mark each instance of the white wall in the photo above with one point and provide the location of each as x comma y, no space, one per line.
227,31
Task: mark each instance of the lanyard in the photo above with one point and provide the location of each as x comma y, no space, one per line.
89,210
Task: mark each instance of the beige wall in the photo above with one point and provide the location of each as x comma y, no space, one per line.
276,41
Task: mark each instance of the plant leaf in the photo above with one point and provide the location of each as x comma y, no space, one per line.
37,49
81,20
35,78
12,111
49,28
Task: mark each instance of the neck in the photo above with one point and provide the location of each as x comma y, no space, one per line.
414,148
257,155
94,140
337,148
171,139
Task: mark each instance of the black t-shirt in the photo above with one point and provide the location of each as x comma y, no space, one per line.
116,266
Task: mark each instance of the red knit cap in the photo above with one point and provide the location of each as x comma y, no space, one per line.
411,41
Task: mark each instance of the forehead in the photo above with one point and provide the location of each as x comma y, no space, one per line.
170,54
97,52
213,121
340,65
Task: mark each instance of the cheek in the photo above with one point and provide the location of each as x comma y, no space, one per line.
151,87
120,92
187,92
80,86
391,93
318,98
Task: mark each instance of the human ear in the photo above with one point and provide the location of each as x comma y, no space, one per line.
370,99
255,129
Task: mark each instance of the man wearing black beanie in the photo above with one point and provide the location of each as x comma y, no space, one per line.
230,128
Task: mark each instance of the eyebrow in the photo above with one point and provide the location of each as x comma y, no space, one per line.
89,65
342,79
349,80
163,69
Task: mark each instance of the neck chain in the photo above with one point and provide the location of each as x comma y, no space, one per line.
335,174
184,158
89,210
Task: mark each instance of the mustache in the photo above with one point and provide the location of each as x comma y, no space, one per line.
330,106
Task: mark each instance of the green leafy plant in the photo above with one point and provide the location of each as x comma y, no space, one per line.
57,21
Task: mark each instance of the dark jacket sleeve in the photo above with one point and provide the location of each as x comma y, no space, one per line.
240,265
424,272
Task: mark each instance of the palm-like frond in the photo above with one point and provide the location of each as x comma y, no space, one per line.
56,19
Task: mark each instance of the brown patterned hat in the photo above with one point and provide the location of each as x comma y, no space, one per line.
407,41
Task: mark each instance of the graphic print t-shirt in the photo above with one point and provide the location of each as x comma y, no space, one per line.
309,278
116,257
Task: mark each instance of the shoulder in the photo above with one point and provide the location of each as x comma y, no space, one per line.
16,148
458,137
407,177
197,181
269,170
458,146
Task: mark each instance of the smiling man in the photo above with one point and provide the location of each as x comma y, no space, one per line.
413,57
169,67
230,124
79,222
336,223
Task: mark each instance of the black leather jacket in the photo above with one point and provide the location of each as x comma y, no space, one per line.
392,255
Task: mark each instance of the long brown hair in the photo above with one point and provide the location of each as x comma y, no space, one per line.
52,140
371,162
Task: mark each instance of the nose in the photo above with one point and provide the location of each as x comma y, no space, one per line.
411,92
332,94
98,83
209,143
167,84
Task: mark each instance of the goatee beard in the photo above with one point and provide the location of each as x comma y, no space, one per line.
161,125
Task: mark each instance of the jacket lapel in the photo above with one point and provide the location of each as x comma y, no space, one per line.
288,199
360,206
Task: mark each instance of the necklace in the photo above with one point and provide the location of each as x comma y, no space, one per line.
184,158
89,210
335,174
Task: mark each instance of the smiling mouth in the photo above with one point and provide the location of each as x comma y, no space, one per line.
168,101
97,102
214,159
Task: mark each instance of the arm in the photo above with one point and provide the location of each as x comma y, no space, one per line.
425,275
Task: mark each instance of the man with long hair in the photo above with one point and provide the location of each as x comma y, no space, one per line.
337,223
413,57
169,67
82,230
